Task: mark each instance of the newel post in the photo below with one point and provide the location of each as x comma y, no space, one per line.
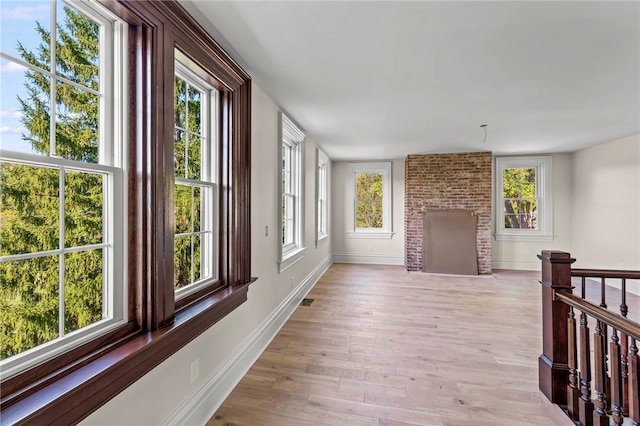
553,369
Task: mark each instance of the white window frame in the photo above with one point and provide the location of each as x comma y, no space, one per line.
112,166
322,196
292,138
383,168
544,197
189,71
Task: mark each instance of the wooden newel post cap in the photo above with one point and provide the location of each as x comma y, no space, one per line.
556,268
556,256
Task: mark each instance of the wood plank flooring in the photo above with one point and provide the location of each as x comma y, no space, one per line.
382,346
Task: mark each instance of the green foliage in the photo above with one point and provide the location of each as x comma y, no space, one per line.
30,202
369,200
520,202
188,197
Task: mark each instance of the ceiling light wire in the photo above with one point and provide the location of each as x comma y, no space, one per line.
484,126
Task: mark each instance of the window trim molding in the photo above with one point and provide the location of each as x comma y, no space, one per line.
190,72
383,167
113,167
69,388
322,159
544,188
290,133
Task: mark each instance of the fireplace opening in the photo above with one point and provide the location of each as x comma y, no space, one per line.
450,242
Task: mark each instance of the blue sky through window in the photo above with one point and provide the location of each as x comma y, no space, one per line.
18,25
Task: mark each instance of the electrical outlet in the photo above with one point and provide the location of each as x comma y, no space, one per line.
266,231
195,370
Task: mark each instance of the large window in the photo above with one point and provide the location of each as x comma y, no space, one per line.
124,197
369,192
523,199
291,182
322,200
62,268
195,154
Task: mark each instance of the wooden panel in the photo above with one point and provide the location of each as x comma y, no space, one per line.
449,242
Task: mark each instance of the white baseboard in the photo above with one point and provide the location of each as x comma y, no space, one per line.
632,286
370,259
518,265
198,408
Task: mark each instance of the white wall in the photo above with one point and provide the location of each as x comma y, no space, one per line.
356,250
522,254
162,392
596,199
606,205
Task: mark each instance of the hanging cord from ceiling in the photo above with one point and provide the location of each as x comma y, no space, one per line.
484,126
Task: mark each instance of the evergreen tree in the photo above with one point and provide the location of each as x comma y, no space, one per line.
30,195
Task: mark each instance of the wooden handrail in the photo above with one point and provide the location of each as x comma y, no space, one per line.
605,273
620,323
597,384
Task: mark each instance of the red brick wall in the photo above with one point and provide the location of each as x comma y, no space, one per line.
447,181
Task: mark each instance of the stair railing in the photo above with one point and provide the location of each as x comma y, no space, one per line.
595,378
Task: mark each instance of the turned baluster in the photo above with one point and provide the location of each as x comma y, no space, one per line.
634,383
573,391
616,379
605,354
624,350
600,417
585,406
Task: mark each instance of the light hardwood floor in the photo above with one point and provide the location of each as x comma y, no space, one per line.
382,346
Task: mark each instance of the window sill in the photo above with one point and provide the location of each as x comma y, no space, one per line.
370,235
322,241
76,391
290,259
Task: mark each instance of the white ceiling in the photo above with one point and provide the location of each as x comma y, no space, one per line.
384,79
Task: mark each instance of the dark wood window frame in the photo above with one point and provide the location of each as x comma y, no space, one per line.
66,389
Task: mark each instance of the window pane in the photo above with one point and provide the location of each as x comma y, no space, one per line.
197,202
519,183
369,214
521,214
83,289
29,209
83,211
287,184
77,46
77,113
369,186
24,118
182,261
183,209
180,100
28,304
288,232
288,224
194,163
195,111
369,200
20,19
197,258
180,153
